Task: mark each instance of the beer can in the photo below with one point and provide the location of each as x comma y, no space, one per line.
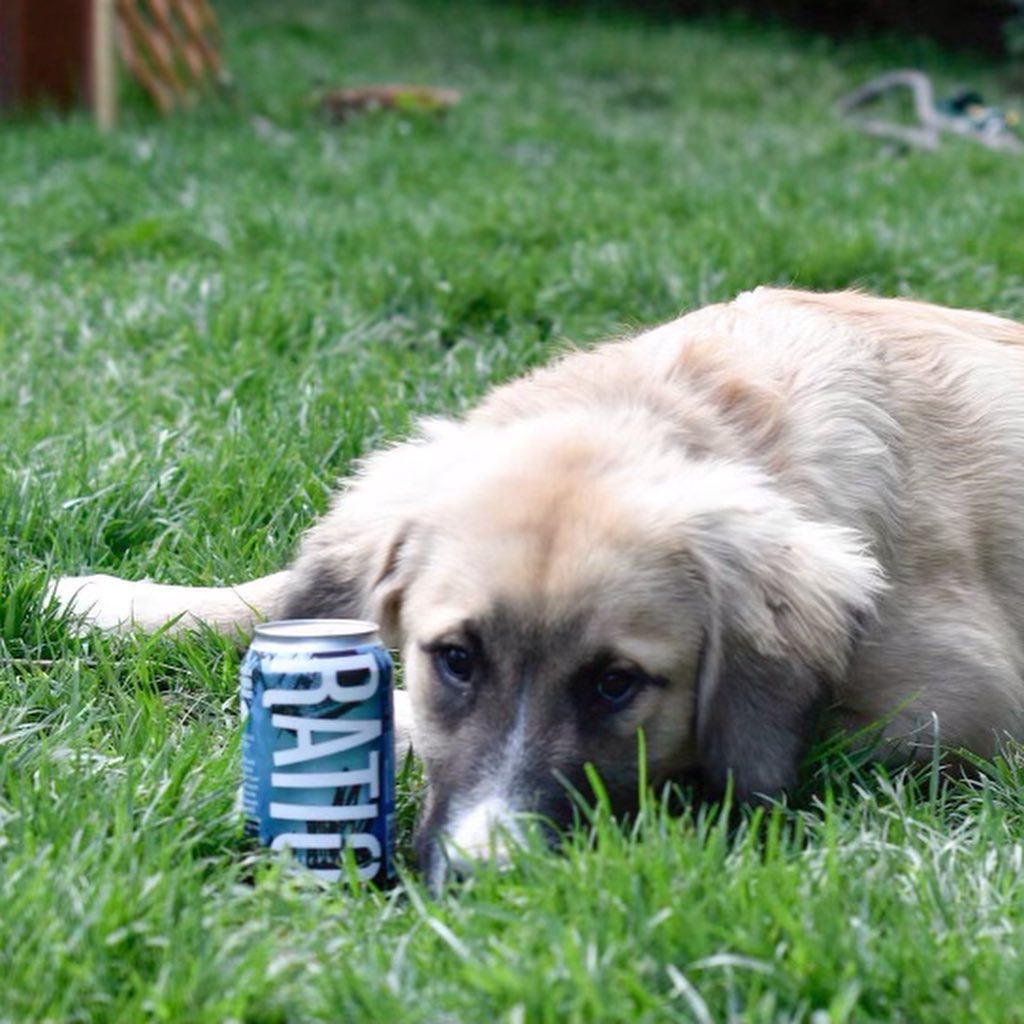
318,772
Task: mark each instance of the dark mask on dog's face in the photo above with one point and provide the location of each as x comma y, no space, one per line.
510,707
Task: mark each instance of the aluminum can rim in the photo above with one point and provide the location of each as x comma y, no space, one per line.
318,629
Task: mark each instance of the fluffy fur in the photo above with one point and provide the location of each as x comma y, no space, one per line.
786,514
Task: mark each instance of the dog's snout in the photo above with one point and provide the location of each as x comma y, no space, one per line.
482,831
486,830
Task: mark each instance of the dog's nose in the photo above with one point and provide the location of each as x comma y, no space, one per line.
484,831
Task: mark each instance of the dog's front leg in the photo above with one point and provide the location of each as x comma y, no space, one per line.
113,604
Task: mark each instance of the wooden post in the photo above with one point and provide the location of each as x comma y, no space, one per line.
104,65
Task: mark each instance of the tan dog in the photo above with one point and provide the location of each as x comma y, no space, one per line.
790,513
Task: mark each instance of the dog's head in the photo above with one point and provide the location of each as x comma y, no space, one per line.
559,585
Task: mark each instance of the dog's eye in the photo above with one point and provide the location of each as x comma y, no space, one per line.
617,687
455,664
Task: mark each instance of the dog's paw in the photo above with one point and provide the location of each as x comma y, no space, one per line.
98,601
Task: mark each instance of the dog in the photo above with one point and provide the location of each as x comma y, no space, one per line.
768,520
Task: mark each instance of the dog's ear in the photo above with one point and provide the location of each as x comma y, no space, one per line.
352,568
755,718
358,560
788,595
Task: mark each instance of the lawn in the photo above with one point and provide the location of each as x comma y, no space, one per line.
204,320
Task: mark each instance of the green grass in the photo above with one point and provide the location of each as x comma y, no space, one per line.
203,320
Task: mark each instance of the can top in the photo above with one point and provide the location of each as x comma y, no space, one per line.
318,629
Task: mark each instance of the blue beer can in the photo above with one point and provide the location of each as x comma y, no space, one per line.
318,748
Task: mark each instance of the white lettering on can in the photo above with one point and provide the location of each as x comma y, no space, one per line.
323,737
369,776
330,672
358,730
